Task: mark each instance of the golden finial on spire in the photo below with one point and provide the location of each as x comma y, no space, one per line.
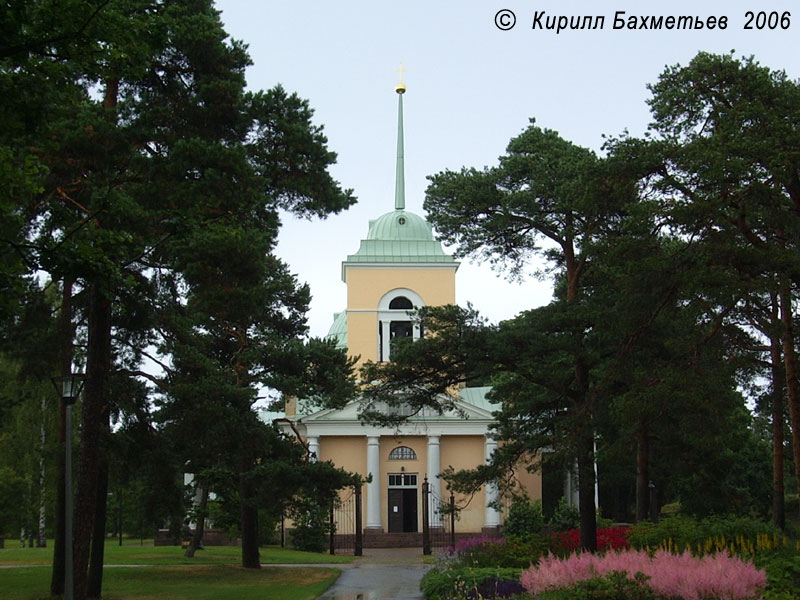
400,88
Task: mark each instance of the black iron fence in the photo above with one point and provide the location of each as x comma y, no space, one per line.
346,536
438,519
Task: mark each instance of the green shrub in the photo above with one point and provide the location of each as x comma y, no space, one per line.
455,584
783,574
524,518
670,510
681,531
791,504
309,537
268,527
518,552
565,517
603,522
495,552
311,525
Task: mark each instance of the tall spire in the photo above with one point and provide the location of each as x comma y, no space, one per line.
400,178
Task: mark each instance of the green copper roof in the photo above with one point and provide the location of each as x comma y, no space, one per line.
400,225
400,237
477,397
338,331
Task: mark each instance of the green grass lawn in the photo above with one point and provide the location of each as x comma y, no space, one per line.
217,582
170,555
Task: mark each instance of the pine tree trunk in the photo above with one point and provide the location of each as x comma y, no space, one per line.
251,559
66,334
200,524
790,371
642,475
585,443
95,579
41,541
98,364
778,384
586,487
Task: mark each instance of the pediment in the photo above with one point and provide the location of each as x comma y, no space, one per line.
462,411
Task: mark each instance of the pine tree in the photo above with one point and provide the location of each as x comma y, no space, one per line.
173,147
732,167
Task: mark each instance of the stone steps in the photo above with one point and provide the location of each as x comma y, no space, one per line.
379,539
392,540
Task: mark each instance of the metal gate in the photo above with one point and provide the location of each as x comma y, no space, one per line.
438,520
345,523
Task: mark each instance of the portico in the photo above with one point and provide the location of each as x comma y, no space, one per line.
401,459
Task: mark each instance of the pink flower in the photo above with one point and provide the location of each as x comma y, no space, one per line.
720,576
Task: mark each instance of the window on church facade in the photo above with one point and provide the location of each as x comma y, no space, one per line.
402,480
402,453
401,303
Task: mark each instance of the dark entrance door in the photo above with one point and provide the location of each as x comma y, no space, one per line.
402,510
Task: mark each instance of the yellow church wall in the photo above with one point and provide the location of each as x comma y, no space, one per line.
347,452
530,482
350,454
362,336
290,407
465,452
365,287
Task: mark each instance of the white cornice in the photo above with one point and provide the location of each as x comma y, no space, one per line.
356,428
395,266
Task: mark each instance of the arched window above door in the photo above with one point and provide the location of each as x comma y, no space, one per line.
402,453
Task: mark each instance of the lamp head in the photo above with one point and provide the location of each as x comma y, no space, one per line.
69,387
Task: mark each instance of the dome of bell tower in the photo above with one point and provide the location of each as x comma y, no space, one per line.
400,225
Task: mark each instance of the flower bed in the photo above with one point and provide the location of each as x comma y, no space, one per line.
741,536
486,551
467,582
669,575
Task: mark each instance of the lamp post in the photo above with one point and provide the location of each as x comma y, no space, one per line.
69,388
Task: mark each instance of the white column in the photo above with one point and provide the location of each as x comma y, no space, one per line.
386,340
492,516
434,468
571,487
313,448
596,480
374,487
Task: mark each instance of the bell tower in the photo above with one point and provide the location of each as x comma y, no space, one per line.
398,267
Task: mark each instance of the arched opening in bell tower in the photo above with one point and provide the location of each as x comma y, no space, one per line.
395,319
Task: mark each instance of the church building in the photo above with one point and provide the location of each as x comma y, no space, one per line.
398,267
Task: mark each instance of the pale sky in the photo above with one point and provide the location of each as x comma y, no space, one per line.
471,88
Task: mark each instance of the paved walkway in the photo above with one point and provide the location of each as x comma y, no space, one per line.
381,574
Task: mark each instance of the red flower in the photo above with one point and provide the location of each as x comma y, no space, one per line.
611,538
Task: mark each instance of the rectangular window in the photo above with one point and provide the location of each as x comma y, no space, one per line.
402,480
